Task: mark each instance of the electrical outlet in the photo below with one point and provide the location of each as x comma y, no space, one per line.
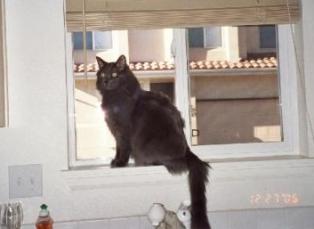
25,181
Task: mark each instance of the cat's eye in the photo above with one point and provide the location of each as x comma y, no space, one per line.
114,75
102,75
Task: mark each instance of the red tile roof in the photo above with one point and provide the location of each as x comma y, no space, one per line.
260,63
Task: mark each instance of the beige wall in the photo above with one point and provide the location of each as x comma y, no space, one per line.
238,121
225,87
150,45
196,54
236,109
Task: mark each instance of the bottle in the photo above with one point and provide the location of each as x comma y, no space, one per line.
44,221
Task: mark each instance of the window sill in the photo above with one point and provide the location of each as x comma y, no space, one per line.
281,167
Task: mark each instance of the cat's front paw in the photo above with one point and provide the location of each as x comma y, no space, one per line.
117,163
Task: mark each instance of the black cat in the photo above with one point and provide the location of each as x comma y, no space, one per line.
149,128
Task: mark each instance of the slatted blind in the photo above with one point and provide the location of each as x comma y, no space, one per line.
150,14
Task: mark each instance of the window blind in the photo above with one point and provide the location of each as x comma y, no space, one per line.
150,14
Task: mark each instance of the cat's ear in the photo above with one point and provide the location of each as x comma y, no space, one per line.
121,63
101,62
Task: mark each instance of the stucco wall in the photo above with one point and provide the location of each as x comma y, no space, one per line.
237,109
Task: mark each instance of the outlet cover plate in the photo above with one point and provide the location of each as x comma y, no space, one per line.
25,181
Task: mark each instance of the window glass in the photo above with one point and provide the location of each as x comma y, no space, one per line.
234,91
102,40
234,100
153,65
196,37
267,36
78,40
212,37
208,37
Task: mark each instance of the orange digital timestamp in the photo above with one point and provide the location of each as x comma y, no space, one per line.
274,198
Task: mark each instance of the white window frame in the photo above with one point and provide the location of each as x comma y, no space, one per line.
288,99
288,86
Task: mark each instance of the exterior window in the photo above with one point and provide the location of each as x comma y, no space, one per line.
212,38
208,37
229,106
267,34
196,37
96,40
102,40
93,140
78,40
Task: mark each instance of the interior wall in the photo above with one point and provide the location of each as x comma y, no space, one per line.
37,96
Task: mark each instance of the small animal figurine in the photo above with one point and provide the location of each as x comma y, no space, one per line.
184,214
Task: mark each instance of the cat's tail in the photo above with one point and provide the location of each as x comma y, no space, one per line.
198,177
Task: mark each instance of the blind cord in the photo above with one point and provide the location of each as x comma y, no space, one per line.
84,42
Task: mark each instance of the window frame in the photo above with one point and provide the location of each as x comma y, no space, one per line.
288,95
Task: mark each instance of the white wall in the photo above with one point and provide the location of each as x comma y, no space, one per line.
292,218
38,135
308,58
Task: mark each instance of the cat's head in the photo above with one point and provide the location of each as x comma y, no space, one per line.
111,76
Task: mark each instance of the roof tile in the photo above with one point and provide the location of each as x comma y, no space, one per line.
259,63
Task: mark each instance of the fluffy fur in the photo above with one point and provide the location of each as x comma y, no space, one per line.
149,128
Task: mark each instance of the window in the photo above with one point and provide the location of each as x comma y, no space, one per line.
102,40
208,37
229,107
93,140
267,34
96,40
193,75
2,73
235,104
